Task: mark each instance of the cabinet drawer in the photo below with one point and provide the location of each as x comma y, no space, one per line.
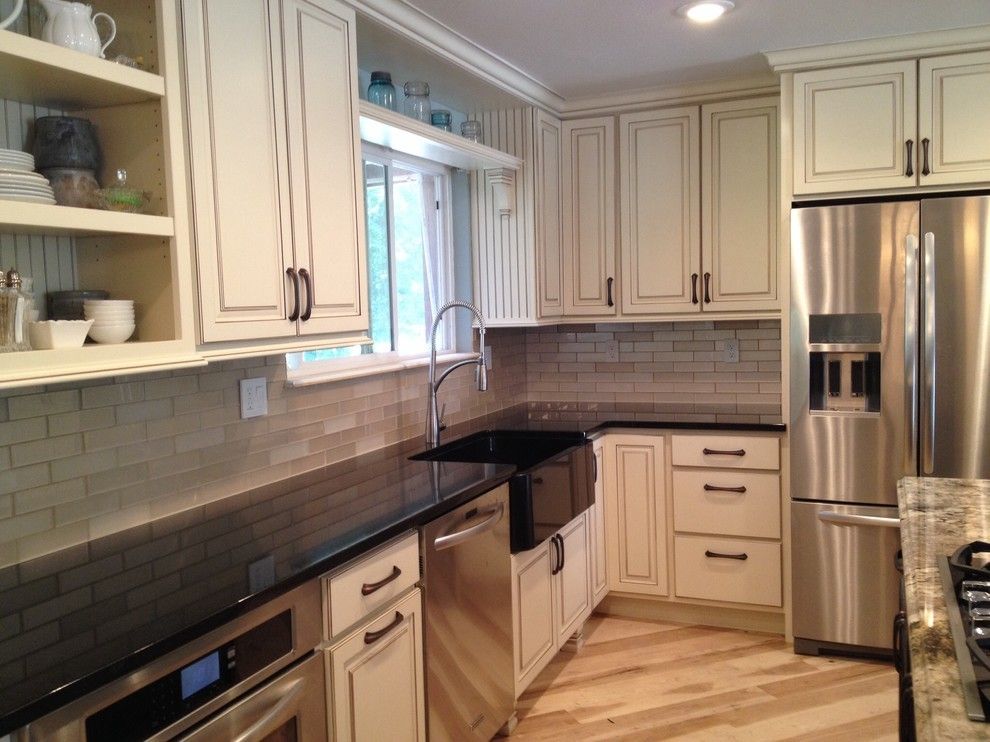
726,451
711,502
700,574
348,602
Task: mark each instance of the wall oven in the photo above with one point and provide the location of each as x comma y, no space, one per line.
256,677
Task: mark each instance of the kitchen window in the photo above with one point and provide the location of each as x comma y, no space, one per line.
410,269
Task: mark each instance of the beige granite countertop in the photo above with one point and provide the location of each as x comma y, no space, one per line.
938,516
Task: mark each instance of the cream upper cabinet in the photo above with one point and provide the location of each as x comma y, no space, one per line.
660,215
271,92
954,118
739,205
636,514
854,127
376,678
588,211
548,215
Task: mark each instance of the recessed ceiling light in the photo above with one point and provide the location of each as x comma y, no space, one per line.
706,11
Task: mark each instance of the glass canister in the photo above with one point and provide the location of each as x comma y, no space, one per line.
441,120
12,307
381,92
417,100
471,129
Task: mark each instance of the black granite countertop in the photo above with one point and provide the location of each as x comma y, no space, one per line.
79,618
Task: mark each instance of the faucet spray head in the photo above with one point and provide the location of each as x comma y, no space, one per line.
482,374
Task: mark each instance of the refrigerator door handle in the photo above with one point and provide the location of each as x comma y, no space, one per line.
911,350
928,380
844,519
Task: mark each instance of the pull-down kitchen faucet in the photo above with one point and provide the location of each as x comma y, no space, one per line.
481,374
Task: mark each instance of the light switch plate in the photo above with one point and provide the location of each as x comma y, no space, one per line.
612,351
254,397
730,352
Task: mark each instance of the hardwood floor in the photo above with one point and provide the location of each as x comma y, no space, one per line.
650,680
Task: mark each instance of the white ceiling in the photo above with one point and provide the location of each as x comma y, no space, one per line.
588,47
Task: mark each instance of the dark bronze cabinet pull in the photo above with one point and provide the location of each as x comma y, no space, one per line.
716,555
716,452
716,488
370,587
560,540
909,171
694,288
309,294
291,273
556,556
925,170
370,637
594,468
608,290
708,288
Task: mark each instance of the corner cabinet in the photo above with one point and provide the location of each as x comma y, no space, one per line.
588,210
892,125
275,168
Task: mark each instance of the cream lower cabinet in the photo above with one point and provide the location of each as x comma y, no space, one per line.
275,168
636,514
596,529
727,515
892,124
551,598
376,678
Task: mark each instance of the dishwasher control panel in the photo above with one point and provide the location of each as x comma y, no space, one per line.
164,701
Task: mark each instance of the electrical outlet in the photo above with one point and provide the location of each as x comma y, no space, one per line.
254,397
730,352
612,351
261,574
488,357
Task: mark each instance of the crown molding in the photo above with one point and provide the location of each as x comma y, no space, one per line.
888,48
669,95
458,50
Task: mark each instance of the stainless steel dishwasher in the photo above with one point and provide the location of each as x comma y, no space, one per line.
467,580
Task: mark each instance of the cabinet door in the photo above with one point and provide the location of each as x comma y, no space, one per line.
635,511
239,188
954,115
532,612
596,529
739,201
658,192
548,222
377,687
851,128
324,162
572,584
588,177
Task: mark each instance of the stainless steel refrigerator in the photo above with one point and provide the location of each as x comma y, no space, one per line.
889,377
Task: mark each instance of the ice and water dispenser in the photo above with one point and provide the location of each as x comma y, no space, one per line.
844,369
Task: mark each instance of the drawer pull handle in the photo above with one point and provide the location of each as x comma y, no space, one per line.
716,488
717,452
370,637
369,588
716,555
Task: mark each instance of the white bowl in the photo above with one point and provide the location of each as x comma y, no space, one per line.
109,302
111,334
90,314
58,333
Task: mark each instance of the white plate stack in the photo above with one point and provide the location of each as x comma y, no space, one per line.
19,182
113,319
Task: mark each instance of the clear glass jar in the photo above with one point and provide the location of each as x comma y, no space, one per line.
441,120
417,100
12,306
381,92
471,130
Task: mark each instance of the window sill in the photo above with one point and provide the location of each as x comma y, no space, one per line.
302,378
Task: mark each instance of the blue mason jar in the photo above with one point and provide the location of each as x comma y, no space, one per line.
380,91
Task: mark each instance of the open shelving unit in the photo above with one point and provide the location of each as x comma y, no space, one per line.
144,257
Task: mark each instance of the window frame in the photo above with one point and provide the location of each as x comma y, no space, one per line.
301,372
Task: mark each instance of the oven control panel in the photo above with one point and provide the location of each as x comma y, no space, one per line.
164,701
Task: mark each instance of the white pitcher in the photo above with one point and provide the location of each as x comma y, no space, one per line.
73,25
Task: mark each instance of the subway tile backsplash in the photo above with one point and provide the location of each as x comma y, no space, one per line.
85,460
